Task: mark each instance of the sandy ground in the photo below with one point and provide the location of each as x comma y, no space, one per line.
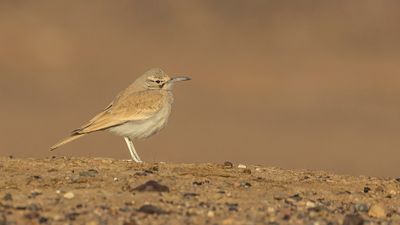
106,191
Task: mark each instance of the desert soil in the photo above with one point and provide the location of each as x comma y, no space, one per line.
89,191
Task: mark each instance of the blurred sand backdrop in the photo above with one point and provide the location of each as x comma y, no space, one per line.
293,84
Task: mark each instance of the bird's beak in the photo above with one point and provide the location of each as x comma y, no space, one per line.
175,79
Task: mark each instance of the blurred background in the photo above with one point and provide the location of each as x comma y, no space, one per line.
293,84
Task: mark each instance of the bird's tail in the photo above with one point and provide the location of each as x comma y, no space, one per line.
66,140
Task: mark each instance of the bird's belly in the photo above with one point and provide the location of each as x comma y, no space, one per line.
143,128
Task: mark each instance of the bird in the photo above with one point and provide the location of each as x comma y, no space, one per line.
138,112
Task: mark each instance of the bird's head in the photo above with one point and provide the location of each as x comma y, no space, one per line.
156,79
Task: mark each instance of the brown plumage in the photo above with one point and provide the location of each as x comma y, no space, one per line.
137,112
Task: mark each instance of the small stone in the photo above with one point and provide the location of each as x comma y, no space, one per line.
58,192
190,195
310,204
244,184
377,211
35,193
367,189
258,169
241,166
115,179
69,195
152,186
247,171
89,173
43,219
7,197
151,209
228,165
360,207
296,197
210,214
353,220
232,206
271,210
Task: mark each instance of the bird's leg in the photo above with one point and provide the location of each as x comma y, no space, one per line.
132,150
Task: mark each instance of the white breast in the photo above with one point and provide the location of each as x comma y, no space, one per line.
143,128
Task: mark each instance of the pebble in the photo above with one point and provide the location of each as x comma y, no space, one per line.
310,204
69,195
377,211
271,210
210,214
89,173
35,193
361,207
115,179
190,195
353,220
152,186
247,171
241,166
151,209
7,197
367,189
244,184
228,165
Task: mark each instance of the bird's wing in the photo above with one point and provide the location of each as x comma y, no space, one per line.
135,106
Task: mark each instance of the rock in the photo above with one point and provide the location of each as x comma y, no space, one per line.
353,219
89,173
7,197
360,207
247,171
228,165
232,206
152,186
377,211
310,204
244,184
210,214
69,195
151,209
190,195
35,193
296,197
199,183
366,189
43,219
72,215
271,210
241,166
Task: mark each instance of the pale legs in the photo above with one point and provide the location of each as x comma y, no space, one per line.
132,150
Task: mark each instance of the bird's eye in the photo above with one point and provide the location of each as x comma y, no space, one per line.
158,81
